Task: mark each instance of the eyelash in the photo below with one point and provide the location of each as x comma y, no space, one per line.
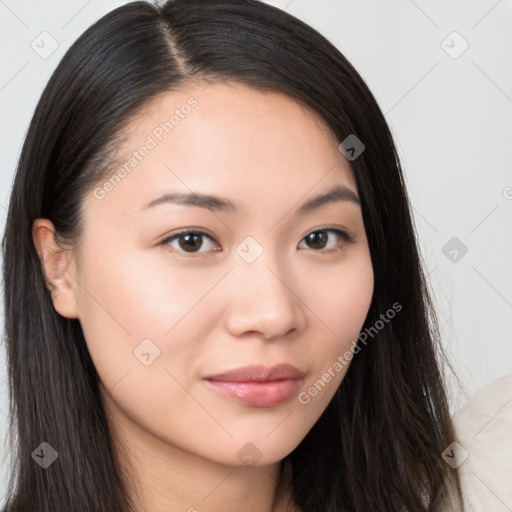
346,237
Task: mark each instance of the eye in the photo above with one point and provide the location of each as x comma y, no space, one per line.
319,239
188,241
192,240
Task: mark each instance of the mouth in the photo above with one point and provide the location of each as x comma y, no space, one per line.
257,385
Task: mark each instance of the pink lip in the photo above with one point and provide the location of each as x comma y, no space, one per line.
259,373
257,385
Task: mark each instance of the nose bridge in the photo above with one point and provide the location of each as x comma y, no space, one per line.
264,300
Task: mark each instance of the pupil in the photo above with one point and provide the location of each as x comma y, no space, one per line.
196,237
317,236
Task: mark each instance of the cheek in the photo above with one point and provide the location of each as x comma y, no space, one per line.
138,323
341,307
342,296
140,293
132,304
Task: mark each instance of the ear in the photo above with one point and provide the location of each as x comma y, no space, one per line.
59,268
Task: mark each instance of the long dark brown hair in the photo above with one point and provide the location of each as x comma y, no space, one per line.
378,444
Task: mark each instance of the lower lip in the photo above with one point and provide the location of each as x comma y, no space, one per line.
257,394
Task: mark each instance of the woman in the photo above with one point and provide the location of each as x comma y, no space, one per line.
214,297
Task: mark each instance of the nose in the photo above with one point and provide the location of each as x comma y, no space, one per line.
264,301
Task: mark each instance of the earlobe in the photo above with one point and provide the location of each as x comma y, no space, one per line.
58,266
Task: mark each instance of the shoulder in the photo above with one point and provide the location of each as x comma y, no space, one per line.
483,451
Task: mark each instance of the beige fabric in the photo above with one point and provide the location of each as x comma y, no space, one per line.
484,451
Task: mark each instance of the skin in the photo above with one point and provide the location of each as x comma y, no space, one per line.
213,311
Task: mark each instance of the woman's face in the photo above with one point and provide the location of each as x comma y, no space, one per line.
270,281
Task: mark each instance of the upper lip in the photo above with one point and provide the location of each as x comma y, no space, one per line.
259,373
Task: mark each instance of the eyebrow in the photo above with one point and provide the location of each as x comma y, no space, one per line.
215,203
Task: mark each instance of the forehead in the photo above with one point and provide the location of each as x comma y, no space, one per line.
227,139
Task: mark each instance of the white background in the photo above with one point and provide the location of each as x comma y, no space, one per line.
451,116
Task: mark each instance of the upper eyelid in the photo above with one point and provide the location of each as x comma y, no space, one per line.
188,231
